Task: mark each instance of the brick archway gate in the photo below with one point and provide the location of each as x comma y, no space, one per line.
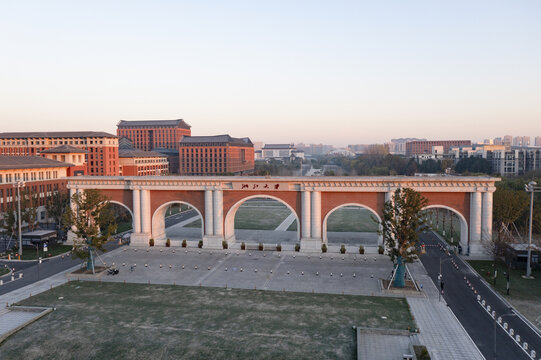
310,198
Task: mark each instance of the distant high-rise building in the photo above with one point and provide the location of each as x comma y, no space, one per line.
508,140
538,141
498,141
148,135
425,147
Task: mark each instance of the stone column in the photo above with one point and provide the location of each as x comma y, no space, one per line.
71,235
218,208
475,223
209,213
486,224
316,215
136,197
145,212
305,215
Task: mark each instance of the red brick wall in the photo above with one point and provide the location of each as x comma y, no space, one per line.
330,200
194,198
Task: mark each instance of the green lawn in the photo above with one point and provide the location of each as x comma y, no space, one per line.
260,217
123,226
352,219
137,321
29,252
524,294
3,270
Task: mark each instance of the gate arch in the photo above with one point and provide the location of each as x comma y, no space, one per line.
158,219
464,239
324,231
229,221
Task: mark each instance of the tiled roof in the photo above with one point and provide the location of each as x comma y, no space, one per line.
128,153
216,139
150,123
64,149
54,134
28,162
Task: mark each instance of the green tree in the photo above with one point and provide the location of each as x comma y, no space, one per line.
402,222
94,224
56,206
509,206
29,206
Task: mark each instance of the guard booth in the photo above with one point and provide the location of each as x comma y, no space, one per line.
516,256
39,237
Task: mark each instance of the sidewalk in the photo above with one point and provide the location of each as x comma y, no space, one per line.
440,330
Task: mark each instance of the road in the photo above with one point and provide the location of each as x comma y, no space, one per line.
463,302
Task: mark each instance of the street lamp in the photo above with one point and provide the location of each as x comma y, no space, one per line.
531,188
19,184
495,321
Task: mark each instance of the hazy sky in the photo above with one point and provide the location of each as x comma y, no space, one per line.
334,72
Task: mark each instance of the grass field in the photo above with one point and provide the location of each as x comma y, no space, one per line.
268,214
29,252
524,294
137,321
3,270
352,219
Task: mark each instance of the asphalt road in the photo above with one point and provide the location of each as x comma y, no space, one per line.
175,219
463,302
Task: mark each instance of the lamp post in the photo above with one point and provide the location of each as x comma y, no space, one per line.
531,188
19,184
502,316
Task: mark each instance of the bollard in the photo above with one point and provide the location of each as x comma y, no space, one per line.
160,266
371,276
483,302
170,266
478,297
271,271
208,268
12,277
288,272
255,270
533,354
146,265
341,274
302,272
517,338
331,274
183,266
1,282
320,257
488,308
317,273
240,269
225,269
195,267
354,275
123,264
493,314
511,332
525,346
505,326
355,258
499,319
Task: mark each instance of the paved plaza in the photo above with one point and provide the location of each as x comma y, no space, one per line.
282,271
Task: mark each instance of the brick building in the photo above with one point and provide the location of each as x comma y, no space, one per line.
213,155
76,157
141,163
148,135
101,147
419,147
41,176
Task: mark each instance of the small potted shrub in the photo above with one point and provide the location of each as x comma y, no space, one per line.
200,244
279,247
380,250
324,248
151,242
242,246
260,247
168,243
361,249
184,243
342,249
224,244
297,247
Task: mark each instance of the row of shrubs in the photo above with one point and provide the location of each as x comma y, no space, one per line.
225,245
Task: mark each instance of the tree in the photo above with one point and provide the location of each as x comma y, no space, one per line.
57,206
94,224
473,165
509,205
30,204
402,222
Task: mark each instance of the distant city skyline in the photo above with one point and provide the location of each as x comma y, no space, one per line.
302,71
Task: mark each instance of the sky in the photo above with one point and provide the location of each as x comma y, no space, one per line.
333,72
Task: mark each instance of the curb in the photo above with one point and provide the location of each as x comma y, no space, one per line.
13,331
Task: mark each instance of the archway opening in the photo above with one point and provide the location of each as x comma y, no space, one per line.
262,219
352,225
122,216
177,221
449,224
